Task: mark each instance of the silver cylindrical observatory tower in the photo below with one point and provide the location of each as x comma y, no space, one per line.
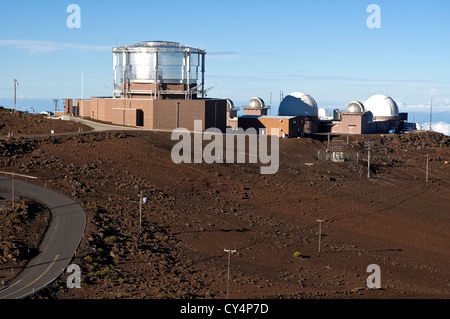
148,66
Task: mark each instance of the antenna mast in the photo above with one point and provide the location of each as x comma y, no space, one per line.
15,93
56,104
431,111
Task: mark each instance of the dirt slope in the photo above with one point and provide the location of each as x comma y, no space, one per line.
195,211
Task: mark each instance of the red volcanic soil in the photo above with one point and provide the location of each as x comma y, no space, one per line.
194,211
20,124
21,231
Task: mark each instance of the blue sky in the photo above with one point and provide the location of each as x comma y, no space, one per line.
323,48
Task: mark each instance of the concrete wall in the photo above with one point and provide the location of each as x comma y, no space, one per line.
216,114
352,123
381,126
170,114
255,111
311,125
358,123
232,121
117,111
156,114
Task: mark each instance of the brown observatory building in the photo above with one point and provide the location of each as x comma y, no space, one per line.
157,85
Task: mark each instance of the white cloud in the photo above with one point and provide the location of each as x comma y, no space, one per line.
50,46
441,127
425,108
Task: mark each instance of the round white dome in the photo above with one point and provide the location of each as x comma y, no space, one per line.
381,106
256,103
323,113
298,104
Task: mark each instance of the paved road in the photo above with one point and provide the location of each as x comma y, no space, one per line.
60,242
101,127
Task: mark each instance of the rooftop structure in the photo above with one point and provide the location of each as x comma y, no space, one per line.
256,103
256,106
159,70
230,105
355,107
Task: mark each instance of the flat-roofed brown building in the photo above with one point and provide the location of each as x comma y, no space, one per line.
155,114
285,126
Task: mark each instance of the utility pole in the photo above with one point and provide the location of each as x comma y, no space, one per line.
12,183
178,114
428,159
229,251
16,84
270,103
431,111
320,230
56,104
368,146
328,142
82,93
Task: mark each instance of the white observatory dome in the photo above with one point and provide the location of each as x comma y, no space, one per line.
381,106
298,104
323,113
256,103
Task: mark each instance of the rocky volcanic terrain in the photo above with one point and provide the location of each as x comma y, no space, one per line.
194,211
21,124
21,231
